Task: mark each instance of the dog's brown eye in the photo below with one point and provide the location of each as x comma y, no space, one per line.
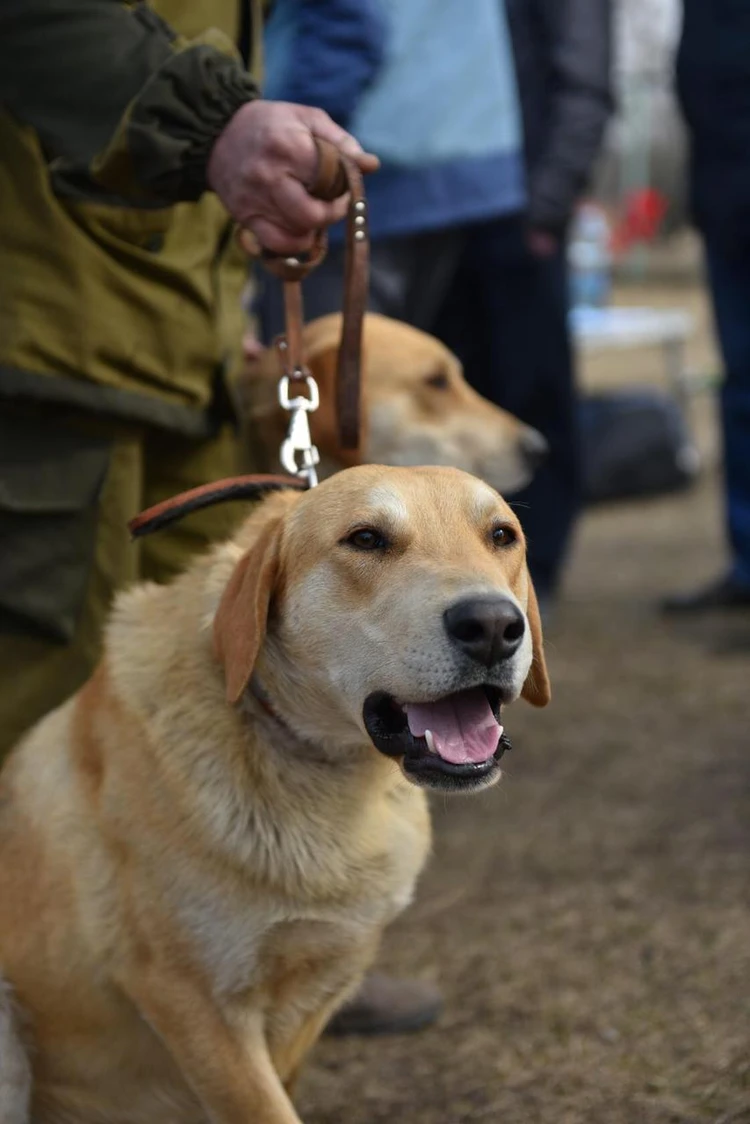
503,536
367,539
438,381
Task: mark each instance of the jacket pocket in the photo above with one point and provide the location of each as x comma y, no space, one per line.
50,481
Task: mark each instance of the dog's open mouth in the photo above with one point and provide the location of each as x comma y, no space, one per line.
457,737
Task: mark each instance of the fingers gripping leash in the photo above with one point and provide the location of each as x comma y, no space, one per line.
336,174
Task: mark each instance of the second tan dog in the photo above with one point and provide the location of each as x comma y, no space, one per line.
417,408
200,850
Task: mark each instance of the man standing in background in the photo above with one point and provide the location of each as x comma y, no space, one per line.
713,78
429,85
467,217
506,315
469,212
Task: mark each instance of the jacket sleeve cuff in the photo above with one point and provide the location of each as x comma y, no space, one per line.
161,148
552,201
548,221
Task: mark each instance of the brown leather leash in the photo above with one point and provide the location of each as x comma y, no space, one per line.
163,514
336,174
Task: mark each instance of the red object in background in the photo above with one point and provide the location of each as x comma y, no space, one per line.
642,215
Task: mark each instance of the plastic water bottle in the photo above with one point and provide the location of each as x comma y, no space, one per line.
590,258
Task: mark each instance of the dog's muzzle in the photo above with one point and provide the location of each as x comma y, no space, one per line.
452,743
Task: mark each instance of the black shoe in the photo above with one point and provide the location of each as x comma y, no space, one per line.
724,595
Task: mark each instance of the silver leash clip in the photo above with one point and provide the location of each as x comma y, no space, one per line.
298,454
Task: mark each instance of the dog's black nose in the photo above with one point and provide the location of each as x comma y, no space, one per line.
488,629
534,448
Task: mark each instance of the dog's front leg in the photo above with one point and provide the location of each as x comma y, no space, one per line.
225,1061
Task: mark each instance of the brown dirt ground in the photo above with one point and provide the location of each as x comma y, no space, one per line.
589,919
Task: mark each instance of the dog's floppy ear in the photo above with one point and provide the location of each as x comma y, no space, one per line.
242,616
536,689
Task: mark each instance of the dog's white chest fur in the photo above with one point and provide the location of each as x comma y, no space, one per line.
348,892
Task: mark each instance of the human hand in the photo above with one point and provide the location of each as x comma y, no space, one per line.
263,162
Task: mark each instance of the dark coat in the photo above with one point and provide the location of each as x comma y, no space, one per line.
563,61
114,298
713,81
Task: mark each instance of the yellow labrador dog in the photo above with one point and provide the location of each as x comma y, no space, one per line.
417,407
200,850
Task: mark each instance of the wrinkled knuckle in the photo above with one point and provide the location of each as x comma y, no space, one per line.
320,119
311,213
256,174
292,142
337,210
271,238
264,176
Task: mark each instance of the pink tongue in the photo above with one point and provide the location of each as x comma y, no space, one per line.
463,726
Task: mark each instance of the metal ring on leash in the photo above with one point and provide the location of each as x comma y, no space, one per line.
298,454
336,174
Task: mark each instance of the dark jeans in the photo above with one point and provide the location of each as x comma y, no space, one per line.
409,277
729,278
506,318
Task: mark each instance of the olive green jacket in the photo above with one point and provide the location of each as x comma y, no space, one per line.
120,282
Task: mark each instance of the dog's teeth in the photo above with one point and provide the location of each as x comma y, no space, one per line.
430,741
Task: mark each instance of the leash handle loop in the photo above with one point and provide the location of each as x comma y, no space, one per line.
336,174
